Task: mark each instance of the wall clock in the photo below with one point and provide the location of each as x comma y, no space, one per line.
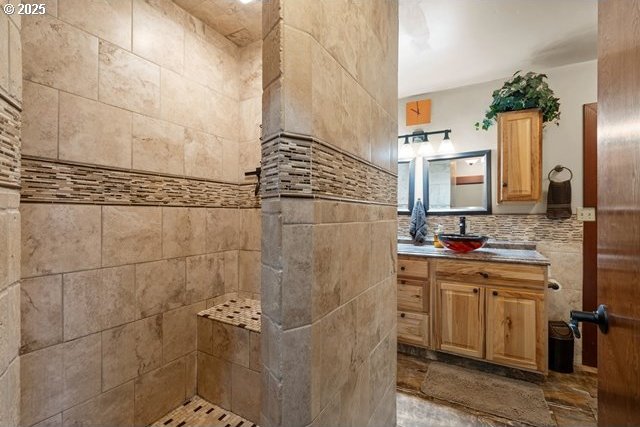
418,112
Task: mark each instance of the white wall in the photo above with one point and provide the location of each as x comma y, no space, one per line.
458,109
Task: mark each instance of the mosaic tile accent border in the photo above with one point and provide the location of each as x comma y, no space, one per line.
294,165
243,313
528,228
45,180
10,120
200,412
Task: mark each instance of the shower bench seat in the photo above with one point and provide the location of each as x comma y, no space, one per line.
229,361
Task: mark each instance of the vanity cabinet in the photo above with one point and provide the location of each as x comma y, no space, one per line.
413,301
492,311
516,328
520,155
461,318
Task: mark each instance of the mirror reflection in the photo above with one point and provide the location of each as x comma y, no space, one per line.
406,171
458,183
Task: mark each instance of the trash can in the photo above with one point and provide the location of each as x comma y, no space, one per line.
560,347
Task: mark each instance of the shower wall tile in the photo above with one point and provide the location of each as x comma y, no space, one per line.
179,333
128,81
81,369
159,391
109,20
41,384
223,228
131,234
40,120
205,277
113,408
58,238
160,286
202,155
183,231
59,55
131,350
158,145
41,312
92,132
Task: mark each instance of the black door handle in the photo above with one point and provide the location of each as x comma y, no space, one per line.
599,317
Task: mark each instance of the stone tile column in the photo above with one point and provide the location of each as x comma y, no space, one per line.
329,177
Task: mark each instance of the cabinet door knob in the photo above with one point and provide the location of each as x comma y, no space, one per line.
504,184
402,268
483,274
495,293
475,290
402,315
402,282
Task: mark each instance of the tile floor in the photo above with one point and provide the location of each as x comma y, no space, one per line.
199,412
571,399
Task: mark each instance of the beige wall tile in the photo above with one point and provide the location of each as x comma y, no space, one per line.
41,312
297,268
205,277
107,19
92,132
231,271
183,101
230,343
249,271
214,380
250,155
384,250
356,124
183,231
230,160
131,350
4,52
297,103
326,94
55,421
160,286
159,391
383,133
10,239
202,155
191,362
15,63
158,146
81,364
40,120
59,55
156,37
97,299
113,408
41,384
327,269
355,406
131,234
250,229
355,281
9,325
223,229
245,392
210,65
128,81
10,395
179,331
59,238
251,71
250,119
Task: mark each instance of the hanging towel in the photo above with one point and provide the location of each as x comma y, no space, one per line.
418,228
559,196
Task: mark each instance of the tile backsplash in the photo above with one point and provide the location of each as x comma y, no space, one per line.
531,228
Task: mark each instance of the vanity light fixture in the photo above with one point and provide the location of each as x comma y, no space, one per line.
446,146
424,147
245,1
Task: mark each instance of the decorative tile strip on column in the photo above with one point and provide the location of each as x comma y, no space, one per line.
9,144
302,166
45,180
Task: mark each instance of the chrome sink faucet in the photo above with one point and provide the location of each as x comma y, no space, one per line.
463,225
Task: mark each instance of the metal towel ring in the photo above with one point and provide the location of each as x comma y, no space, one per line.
558,169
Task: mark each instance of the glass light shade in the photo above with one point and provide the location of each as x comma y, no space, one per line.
446,147
405,152
426,149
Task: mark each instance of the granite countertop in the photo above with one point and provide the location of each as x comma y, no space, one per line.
493,254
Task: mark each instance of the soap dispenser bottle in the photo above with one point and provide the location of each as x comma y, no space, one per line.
436,240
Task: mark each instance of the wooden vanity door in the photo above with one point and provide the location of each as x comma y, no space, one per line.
460,318
515,329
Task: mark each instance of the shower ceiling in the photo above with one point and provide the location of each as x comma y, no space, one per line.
240,23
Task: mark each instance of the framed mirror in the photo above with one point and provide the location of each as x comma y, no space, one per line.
455,184
406,185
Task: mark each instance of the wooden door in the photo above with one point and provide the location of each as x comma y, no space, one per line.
619,211
460,327
516,328
590,232
519,155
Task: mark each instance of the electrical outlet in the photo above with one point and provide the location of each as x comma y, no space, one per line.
586,214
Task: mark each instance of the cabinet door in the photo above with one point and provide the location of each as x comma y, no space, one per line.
516,329
519,155
460,318
413,328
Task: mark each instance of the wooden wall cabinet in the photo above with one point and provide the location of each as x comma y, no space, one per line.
520,155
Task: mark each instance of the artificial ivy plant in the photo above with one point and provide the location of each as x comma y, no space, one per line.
521,92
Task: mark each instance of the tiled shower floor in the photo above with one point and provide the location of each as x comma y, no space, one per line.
199,412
